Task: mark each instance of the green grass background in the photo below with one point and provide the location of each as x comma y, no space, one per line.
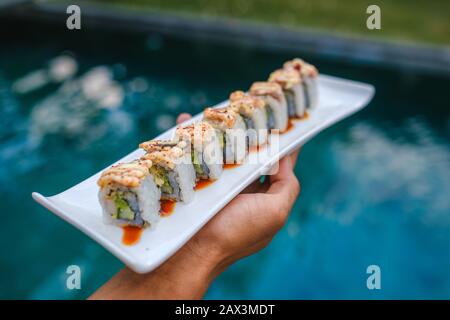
415,20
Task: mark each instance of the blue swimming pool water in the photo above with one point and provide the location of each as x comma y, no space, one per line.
375,187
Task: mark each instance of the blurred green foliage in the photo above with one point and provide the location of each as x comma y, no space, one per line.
418,20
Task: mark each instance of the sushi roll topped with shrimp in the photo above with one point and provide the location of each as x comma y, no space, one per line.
206,149
232,131
276,107
253,111
160,145
291,83
302,66
129,195
309,75
172,169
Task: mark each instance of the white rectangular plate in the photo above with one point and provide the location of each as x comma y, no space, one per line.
338,98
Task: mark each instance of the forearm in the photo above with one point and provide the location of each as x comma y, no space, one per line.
186,275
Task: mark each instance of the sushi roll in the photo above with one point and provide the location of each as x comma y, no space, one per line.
172,169
232,131
309,75
129,195
291,83
206,149
253,111
272,94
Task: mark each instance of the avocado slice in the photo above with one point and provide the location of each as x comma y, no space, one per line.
270,118
161,179
220,135
197,166
123,209
166,187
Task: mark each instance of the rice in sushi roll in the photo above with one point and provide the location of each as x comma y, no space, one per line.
206,149
309,75
129,195
272,94
232,131
172,169
253,111
291,83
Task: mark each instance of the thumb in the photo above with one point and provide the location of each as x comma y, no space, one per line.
183,117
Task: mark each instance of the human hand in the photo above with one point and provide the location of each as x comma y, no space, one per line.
250,221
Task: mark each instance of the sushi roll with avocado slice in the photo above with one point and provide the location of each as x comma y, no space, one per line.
272,94
232,131
253,111
206,149
309,75
172,169
129,195
291,83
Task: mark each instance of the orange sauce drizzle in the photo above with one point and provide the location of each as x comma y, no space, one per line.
289,127
252,149
228,166
167,207
304,117
257,148
131,235
203,183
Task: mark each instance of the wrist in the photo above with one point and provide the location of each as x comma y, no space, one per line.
205,256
